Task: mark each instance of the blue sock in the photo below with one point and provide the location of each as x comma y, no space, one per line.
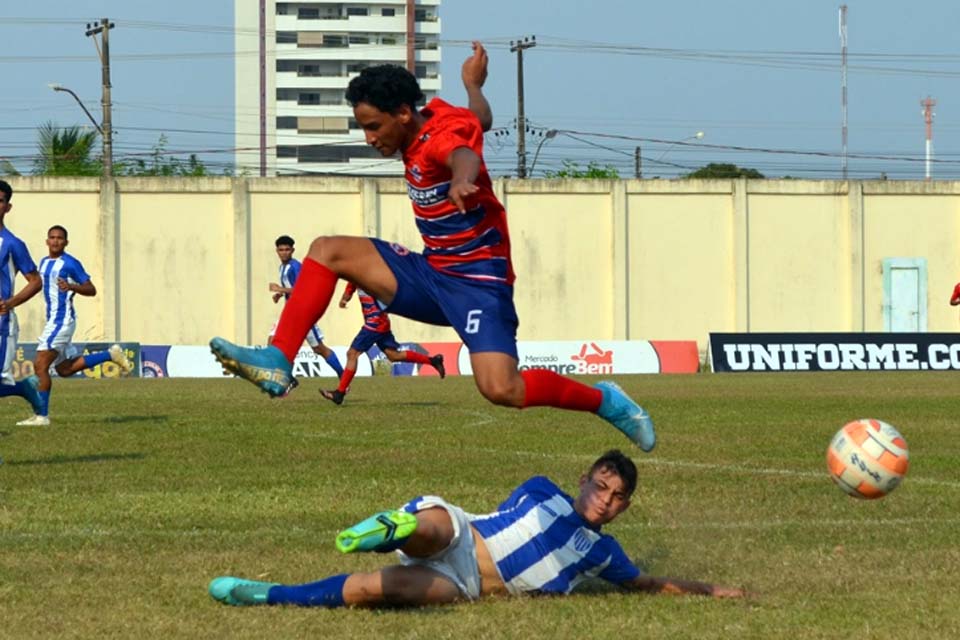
334,363
93,359
324,593
44,403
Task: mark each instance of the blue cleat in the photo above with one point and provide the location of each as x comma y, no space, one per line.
381,532
267,368
239,592
627,416
29,387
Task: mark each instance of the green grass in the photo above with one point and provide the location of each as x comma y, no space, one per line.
114,519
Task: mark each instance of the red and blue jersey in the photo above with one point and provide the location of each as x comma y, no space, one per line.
475,244
374,317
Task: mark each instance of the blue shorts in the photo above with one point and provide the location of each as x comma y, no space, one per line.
481,313
366,339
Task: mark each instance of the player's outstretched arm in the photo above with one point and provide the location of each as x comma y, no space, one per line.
474,74
674,586
464,163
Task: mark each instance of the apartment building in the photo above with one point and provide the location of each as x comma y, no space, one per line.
293,63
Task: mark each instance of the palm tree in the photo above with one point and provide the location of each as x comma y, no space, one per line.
66,151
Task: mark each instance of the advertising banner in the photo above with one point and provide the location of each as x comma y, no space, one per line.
600,357
177,361
27,353
835,352
603,357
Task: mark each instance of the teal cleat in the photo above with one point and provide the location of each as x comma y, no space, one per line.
382,532
239,592
267,368
29,386
627,416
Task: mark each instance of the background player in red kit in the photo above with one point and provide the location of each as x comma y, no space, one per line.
375,331
464,277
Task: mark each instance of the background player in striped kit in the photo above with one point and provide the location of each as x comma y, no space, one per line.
539,541
64,277
14,259
289,272
375,331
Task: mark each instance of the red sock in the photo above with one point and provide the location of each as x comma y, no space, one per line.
545,388
418,358
345,379
309,300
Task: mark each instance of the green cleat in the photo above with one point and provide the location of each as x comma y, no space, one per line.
382,532
239,592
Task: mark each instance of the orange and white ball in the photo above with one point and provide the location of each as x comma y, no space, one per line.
868,458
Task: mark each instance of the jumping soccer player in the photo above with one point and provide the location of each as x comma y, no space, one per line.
375,331
14,258
539,541
463,279
63,278
289,272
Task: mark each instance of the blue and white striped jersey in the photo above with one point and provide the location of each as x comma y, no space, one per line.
14,258
60,303
541,545
289,273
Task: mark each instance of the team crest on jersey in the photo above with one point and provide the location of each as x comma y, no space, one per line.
580,542
416,172
399,249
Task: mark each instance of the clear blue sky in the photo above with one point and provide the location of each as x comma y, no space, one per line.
748,73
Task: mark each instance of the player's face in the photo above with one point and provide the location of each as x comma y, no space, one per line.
386,132
285,252
603,496
4,205
56,242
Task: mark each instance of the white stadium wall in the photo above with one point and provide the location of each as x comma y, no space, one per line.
177,261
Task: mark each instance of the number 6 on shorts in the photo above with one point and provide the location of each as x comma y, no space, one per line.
473,321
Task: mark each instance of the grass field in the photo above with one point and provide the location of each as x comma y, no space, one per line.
114,519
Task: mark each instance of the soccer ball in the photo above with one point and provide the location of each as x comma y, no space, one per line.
868,458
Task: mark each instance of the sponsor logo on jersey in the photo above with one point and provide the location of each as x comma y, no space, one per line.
428,196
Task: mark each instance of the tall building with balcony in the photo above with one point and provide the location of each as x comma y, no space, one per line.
293,63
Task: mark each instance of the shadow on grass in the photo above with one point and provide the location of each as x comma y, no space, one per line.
416,404
129,419
100,457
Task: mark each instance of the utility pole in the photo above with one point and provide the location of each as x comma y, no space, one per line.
928,114
103,49
637,163
518,47
843,89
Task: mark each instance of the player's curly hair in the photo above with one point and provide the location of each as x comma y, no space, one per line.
386,87
617,462
284,240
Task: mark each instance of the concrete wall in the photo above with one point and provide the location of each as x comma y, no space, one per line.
180,260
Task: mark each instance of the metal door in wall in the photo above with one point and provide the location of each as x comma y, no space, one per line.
905,295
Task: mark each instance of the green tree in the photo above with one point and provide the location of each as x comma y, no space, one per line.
724,170
66,151
593,170
160,164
